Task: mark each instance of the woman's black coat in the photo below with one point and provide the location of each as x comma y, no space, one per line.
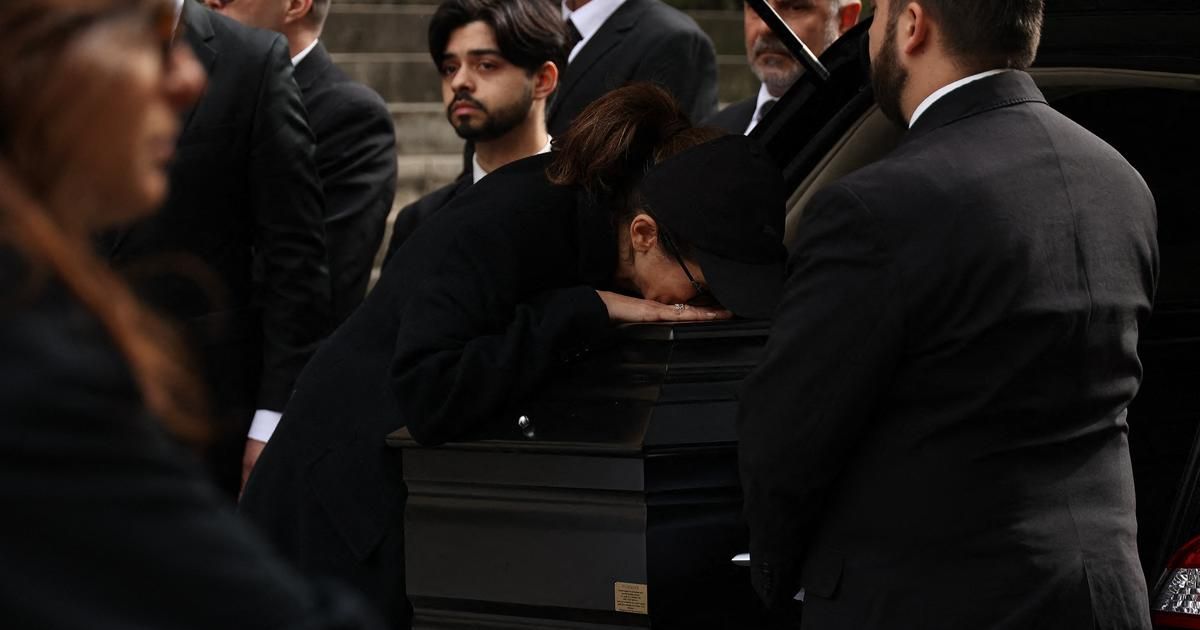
107,522
469,317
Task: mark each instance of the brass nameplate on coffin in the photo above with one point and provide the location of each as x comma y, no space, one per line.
631,598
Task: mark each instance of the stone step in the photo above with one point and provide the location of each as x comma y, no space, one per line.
391,28
411,77
378,28
422,128
421,174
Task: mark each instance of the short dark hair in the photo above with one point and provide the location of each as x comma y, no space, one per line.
319,12
986,34
528,32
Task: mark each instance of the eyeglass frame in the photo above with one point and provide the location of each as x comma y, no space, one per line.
669,245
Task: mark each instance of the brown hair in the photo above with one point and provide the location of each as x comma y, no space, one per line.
614,141
36,36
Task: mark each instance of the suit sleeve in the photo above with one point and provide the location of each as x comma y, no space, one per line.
290,267
358,173
465,350
833,345
696,87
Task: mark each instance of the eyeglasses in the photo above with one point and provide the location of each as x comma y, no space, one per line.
702,293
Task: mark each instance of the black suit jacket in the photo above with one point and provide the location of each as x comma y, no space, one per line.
936,437
418,212
109,524
356,159
246,207
470,316
735,117
643,40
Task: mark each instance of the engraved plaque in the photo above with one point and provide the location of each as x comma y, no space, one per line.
631,598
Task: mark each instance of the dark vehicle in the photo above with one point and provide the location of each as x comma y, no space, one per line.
612,501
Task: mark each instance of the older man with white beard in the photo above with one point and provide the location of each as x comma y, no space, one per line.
818,23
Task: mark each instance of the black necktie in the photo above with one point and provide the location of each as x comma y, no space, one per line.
573,36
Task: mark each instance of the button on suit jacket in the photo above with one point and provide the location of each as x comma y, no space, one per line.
936,437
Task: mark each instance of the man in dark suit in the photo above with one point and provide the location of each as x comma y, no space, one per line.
816,22
499,63
356,143
241,232
936,437
355,157
621,41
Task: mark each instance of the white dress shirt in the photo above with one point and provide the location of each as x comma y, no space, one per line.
763,97
588,19
477,172
304,53
946,89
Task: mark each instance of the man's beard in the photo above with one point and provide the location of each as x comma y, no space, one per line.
497,122
888,78
778,77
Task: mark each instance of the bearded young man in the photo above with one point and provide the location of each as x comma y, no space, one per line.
818,23
936,437
499,63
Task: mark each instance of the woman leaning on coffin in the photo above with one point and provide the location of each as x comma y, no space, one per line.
636,216
107,522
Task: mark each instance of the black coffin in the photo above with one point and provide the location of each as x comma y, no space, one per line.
611,500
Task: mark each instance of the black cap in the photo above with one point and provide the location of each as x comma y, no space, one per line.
725,198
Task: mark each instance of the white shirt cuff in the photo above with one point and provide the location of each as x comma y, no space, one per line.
263,425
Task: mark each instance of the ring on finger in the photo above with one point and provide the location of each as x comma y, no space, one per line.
679,308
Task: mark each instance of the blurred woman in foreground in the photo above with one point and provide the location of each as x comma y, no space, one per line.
108,522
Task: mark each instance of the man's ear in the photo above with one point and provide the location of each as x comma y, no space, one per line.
912,30
643,233
297,10
848,16
545,80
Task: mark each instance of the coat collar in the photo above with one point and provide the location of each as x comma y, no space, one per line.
614,30
313,66
994,92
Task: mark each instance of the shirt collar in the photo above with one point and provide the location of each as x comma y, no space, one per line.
304,53
946,89
591,16
763,97
477,172
178,12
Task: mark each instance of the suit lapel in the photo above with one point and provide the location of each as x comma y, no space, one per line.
610,34
199,33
